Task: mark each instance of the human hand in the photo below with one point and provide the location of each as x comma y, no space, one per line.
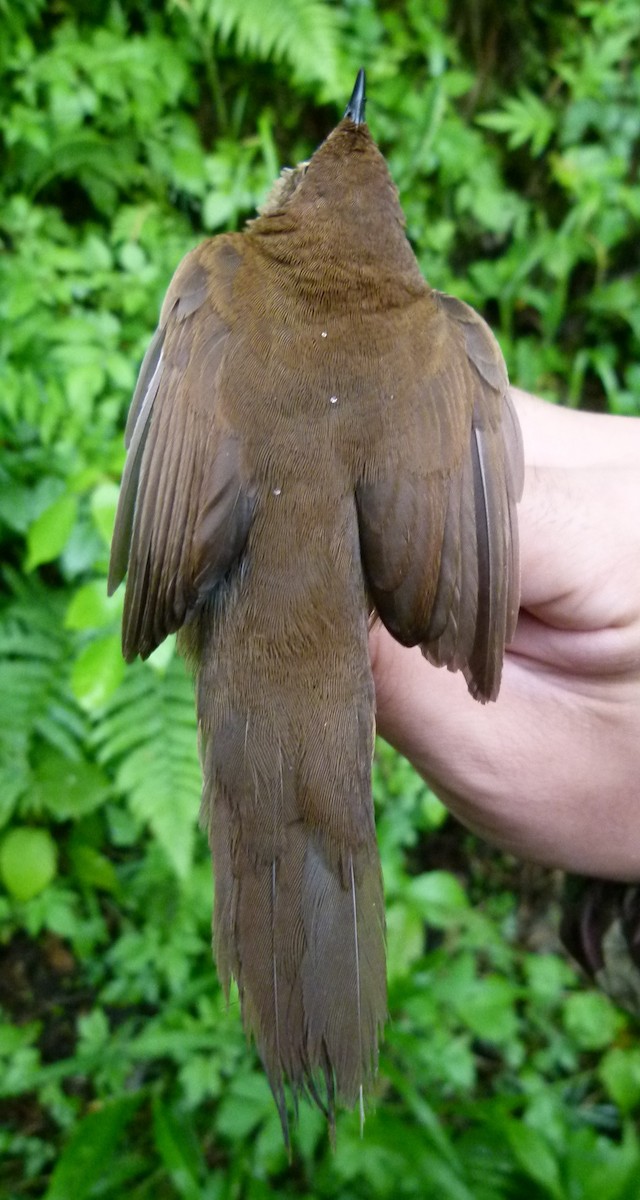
551,771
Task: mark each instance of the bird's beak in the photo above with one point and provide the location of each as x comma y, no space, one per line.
355,107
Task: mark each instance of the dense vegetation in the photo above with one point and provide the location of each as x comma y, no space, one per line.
128,131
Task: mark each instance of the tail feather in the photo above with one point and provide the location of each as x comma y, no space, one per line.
299,916
344,969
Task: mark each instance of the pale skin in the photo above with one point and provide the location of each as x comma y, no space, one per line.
551,771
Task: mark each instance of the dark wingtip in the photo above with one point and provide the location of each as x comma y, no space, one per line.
356,106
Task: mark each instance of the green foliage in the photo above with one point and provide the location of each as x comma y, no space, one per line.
94,1139
303,33
27,861
146,735
127,133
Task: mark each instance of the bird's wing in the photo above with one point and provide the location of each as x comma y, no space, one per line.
439,535
600,927
185,507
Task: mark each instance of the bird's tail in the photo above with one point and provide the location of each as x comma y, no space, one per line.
299,917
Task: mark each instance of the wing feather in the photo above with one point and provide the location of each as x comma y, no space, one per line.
185,505
440,546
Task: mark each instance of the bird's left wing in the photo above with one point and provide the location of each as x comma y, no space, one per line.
185,507
438,532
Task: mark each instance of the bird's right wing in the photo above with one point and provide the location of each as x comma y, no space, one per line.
185,506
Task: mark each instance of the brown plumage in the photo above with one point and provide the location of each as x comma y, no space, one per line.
600,927
315,435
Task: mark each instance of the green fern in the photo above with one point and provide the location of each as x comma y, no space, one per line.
36,705
147,734
524,118
303,33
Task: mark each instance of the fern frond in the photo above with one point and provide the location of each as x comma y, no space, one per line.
304,33
35,699
524,118
148,735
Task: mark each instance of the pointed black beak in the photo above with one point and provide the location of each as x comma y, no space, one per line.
355,107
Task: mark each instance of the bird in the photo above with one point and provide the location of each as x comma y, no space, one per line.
317,440
600,928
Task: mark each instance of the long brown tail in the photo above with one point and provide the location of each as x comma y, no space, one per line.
299,917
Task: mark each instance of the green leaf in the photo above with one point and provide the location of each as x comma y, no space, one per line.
93,869
620,1074
50,532
488,1009
405,940
97,672
591,1020
248,1101
439,897
179,1150
104,502
91,608
93,1033
67,789
28,862
603,1169
148,734
84,1162
525,118
302,32
548,976
535,1157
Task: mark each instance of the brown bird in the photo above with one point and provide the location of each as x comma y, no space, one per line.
600,927
316,436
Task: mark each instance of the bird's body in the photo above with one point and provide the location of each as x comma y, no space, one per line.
316,436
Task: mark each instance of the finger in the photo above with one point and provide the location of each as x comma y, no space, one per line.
555,436
580,547
547,773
